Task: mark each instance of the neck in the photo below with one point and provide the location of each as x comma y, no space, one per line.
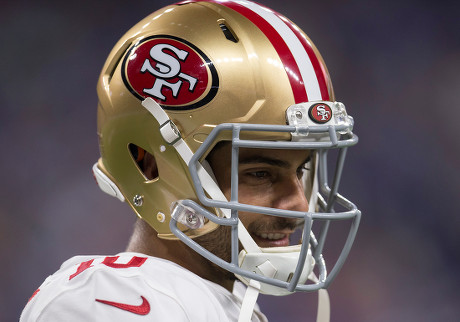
145,240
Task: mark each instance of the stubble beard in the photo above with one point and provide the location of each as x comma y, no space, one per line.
218,243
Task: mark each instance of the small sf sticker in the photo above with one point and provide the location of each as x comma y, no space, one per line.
320,113
172,71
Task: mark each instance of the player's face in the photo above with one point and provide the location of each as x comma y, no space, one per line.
269,178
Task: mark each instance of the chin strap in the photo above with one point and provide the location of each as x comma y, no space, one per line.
249,301
323,313
324,306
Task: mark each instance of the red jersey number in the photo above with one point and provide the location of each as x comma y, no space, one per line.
110,261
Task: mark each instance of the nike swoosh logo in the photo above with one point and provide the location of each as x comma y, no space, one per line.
142,309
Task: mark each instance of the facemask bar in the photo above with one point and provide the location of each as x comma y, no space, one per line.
327,206
327,198
235,206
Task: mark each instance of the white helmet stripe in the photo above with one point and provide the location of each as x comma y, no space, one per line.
301,57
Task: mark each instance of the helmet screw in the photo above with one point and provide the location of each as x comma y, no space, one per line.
298,114
161,217
138,200
191,218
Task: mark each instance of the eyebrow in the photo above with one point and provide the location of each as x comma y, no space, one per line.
270,161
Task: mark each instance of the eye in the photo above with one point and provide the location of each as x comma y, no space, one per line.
302,169
259,174
256,177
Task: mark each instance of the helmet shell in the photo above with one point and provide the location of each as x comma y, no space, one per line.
232,72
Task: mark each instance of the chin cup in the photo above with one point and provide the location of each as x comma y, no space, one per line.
278,263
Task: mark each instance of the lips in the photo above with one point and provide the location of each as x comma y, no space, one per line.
268,232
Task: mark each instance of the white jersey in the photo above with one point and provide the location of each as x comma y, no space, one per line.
131,287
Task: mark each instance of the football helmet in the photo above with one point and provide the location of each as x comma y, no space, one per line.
196,73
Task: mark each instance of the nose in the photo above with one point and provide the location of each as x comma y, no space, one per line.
291,195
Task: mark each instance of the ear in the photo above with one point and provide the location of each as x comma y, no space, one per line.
145,161
149,166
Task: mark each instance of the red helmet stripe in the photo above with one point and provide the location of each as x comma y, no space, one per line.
320,69
305,73
288,60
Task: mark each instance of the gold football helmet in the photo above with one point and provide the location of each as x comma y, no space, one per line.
196,73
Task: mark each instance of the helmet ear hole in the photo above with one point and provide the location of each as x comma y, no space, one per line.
145,161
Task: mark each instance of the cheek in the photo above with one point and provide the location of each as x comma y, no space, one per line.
255,196
247,218
247,194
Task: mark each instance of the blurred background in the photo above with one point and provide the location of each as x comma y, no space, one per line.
395,64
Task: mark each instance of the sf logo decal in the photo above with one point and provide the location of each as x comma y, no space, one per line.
320,113
170,70
167,67
323,112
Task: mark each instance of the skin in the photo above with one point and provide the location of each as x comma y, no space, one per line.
269,178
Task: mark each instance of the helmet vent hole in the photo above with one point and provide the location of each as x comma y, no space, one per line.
145,161
228,33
